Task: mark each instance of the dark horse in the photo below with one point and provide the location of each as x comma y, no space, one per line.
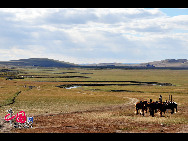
161,107
172,106
141,105
154,107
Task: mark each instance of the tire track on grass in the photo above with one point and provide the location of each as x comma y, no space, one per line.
131,102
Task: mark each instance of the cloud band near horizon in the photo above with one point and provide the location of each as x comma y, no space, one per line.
94,35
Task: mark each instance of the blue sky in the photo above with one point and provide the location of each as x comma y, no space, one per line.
122,35
175,11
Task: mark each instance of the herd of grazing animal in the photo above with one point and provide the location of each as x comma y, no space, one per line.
154,107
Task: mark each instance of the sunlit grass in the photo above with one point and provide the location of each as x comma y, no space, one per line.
46,98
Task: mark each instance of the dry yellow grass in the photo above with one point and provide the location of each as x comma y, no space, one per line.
45,98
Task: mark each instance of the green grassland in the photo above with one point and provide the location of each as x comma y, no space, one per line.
46,98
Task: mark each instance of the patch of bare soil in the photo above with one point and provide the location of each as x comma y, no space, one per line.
5,127
183,129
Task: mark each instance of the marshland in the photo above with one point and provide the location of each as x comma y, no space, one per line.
101,101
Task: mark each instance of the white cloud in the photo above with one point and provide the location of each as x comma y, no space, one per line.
91,35
16,52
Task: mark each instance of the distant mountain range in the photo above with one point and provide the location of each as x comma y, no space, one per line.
168,63
45,62
162,63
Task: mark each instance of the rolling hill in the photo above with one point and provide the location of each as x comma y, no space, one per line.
45,62
37,62
168,63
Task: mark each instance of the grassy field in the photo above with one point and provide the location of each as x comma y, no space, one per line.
95,108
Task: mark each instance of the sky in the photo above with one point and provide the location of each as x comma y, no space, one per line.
94,35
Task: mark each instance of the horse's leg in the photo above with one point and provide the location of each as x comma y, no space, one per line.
137,111
172,110
152,113
161,113
143,111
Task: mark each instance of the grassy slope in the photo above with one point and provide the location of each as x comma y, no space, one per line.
45,98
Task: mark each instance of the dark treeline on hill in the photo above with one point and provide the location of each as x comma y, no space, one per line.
45,62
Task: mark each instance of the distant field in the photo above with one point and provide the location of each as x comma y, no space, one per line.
104,104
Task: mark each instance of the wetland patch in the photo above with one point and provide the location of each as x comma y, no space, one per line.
117,84
46,76
126,91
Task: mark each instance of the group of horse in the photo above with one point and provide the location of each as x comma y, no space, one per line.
157,106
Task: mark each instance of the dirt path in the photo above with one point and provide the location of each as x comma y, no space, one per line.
131,102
